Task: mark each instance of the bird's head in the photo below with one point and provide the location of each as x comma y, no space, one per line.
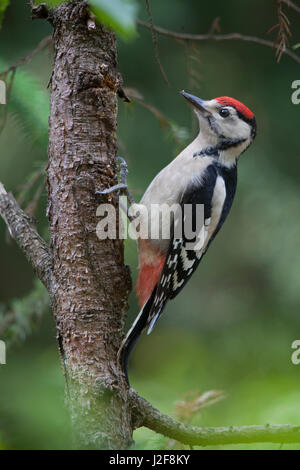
225,124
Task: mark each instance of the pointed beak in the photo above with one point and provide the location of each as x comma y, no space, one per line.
195,101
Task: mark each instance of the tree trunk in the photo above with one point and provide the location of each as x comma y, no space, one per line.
91,284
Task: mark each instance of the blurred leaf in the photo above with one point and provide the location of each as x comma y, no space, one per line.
119,15
296,46
3,5
51,3
23,315
29,101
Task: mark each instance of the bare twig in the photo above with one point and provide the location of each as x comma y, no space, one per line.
25,188
165,123
292,5
193,64
193,402
24,60
155,44
146,415
215,26
23,231
217,37
136,96
32,206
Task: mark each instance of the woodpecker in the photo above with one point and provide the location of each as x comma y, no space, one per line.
204,173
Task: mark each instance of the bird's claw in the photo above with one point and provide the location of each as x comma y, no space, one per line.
122,186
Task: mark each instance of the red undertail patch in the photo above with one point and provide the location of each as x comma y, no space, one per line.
148,277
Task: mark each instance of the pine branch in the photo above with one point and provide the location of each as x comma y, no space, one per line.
283,26
218,37
23,315
22,229
8,75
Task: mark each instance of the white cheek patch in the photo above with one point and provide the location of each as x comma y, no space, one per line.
235,128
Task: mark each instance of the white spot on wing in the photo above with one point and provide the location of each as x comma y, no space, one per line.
176,243
176,284
187,263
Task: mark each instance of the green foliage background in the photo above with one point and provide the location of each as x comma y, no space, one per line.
233,326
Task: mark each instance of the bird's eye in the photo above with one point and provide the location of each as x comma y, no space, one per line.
224,112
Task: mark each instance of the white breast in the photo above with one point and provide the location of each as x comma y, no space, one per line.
169,185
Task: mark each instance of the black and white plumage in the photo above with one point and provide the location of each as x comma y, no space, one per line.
205,173
216,192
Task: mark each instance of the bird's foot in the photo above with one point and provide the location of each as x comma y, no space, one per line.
122,187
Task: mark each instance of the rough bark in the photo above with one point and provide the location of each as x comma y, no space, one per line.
91,281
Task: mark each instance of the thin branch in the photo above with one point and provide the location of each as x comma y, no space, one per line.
8,74
292,5
24,232
217,37
32,206
165,123
24,189
146,415
24,60
155,44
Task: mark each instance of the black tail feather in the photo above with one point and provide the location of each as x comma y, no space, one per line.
134,333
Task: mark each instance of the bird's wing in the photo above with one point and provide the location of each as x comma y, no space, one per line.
184,254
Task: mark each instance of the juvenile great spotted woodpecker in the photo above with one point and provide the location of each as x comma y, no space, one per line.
204,173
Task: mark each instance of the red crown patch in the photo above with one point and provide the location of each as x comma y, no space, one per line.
240,107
